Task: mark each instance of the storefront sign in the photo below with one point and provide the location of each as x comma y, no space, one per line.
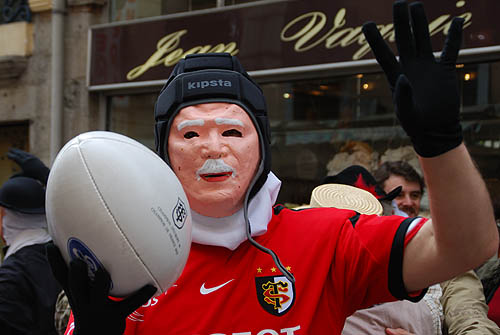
271,36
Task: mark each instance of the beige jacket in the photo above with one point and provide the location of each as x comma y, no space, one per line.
464,306
421,318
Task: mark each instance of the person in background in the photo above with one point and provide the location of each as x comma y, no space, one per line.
359,177
455,307
33,167
489,272
464,306
28,290
398,317
399,173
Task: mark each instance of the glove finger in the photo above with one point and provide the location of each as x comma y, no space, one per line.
403,98
79,282
453,42
57,265
100,286
383,54
404,37
59,269
137,299
15,154
421,31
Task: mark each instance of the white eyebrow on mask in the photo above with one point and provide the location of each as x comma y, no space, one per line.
234,122
184,124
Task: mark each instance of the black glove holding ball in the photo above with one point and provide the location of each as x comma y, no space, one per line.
93,311
425,91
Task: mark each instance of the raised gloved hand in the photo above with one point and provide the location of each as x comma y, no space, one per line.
93,311
425,90
31,165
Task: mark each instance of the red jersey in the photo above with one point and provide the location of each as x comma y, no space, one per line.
342,261
494,308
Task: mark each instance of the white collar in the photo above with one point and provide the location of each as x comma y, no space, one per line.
28,237
14,222
230,231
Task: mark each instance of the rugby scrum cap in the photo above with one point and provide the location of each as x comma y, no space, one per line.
213,77
23,194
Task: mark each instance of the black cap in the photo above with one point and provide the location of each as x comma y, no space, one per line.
212,77
23,194
358,176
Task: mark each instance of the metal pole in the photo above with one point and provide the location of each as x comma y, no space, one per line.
57,79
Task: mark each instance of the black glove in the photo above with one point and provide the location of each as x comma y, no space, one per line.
425,91
93,311
31,165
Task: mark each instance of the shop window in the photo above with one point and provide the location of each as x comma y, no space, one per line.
236,2
121,10
321,126
202,4
480,85
132,115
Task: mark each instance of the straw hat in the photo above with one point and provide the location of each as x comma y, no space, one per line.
345,197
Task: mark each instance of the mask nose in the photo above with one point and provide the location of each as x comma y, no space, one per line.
212,154
213,147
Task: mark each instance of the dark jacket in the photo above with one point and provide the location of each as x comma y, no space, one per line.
28,293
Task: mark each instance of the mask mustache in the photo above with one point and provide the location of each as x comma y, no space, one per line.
213,166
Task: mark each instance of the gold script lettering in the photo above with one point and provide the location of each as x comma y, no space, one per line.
164,45
308,26
168,53
310,29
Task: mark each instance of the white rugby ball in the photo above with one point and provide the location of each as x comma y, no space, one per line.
113,202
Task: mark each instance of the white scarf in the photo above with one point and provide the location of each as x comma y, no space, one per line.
230,231
20,230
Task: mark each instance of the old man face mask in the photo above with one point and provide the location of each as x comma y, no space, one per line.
214,151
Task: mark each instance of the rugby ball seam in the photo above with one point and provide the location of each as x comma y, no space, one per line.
115,222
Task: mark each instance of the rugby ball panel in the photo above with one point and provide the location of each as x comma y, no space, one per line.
124,204
129,207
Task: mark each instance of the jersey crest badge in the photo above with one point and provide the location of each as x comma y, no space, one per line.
276,294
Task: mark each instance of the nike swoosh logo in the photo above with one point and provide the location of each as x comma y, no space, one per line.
205,291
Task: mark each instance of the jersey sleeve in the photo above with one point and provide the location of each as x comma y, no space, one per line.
369,257
71,325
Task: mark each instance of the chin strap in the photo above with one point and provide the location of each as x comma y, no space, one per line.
276,260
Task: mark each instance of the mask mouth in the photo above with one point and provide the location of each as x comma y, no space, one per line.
215,170
215,177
